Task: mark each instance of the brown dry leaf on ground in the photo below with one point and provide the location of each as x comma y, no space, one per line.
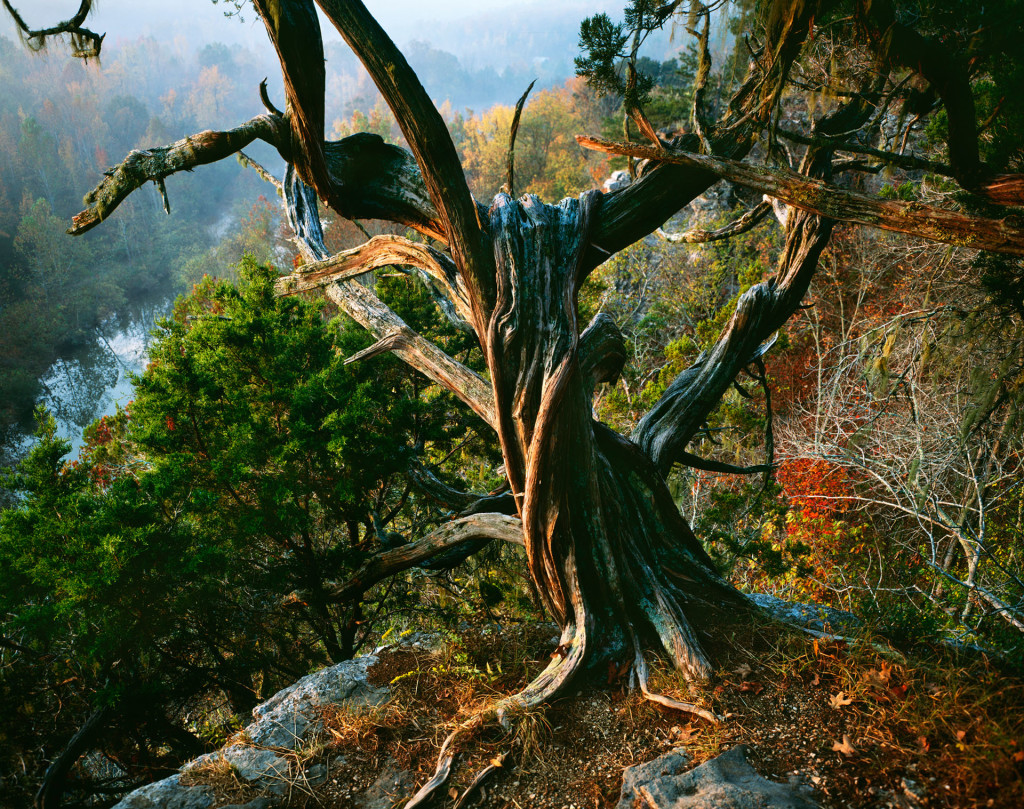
840,700
844,746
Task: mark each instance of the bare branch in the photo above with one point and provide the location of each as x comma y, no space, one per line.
367,309
85,44
294,29
510,179
677,416
925,221
905,161
448,536
265,175
696,462
141,166
698,236
428,137
700,123
380,251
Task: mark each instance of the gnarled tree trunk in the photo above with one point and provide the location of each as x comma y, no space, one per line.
607,549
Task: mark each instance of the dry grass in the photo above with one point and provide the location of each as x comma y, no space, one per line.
866,723
914,728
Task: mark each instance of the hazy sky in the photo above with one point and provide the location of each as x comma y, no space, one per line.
201,19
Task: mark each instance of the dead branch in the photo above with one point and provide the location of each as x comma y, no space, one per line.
510,179
380,251
294,29
924,221
428,137
85,44
457,532
904,161
699,236
265,175
370,312
141,166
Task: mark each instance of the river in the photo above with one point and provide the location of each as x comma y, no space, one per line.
94,379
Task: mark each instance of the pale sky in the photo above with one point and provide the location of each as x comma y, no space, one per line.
202,20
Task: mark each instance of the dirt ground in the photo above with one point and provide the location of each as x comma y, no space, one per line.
864,724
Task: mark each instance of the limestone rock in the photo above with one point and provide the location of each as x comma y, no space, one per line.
285,722
669,765
725,782
168,794
619,179
290,716
816,617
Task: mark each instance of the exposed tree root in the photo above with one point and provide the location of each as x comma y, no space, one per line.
548,684
483,775
640,670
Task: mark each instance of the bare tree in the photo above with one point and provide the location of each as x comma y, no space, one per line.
616,564
922,412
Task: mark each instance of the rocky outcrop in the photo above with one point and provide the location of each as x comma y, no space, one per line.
725,782
287,722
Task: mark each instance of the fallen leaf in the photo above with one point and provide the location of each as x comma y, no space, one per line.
743,671
498,761
899,691
751,686
1018,756
923,741
839,700
876,677
961,735
844,746
816,680
453,793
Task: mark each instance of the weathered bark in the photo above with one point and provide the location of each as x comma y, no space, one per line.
749,220
394,335
675,419
381,251
925,221
606,546
142,166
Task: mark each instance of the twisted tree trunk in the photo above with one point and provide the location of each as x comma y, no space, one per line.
607,549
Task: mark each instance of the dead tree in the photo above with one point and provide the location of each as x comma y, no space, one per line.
616,564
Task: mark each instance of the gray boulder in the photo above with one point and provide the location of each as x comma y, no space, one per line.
287,721
291,716
168,794
725,782
619,179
